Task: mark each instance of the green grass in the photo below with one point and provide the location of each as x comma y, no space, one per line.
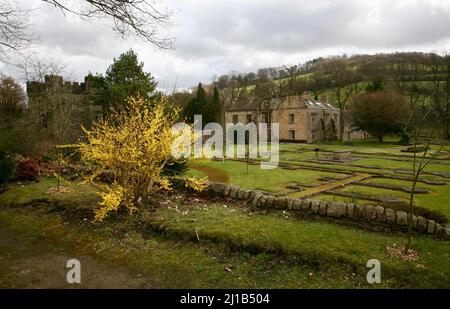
24,193
361,146
263,250
274,180
161,260
42,232
312,242
337,198
438,199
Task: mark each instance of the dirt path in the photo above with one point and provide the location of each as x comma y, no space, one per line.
331,186
49,272
30,262
214,174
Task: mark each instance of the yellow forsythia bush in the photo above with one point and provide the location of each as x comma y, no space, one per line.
134,145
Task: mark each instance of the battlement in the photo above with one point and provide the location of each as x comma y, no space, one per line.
55,83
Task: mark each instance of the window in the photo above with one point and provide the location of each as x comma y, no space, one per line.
265,117
291,118
249,118
292,135
235,119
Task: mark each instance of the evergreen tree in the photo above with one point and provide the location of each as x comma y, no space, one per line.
215,107
200,105
125,77
195,106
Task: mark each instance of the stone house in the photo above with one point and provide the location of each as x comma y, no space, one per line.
300,118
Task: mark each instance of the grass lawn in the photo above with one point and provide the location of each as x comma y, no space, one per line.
337,198
438,199
274,180
235,247
389,147
323,244
24,193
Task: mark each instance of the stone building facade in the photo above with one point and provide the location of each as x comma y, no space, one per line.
300,118
60,108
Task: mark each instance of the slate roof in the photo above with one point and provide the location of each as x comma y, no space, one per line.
321,105
254,104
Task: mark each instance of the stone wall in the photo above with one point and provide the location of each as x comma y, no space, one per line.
373,215
61,107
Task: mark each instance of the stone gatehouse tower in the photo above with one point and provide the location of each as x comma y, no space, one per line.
59,107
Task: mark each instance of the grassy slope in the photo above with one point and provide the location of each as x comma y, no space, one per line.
37,231
290,253
324,244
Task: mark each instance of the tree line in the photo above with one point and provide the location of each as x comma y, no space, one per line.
421,78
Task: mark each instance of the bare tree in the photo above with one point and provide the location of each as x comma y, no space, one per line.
292,73
420,163
34,69
139,18
15,33
344,81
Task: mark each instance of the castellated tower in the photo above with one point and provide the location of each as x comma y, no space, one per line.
59,107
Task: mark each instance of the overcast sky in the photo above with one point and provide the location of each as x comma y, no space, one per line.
214,37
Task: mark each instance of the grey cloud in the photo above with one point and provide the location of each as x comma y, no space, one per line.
215,37
288,28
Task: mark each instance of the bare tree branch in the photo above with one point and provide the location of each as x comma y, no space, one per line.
139,18
34,69
15,33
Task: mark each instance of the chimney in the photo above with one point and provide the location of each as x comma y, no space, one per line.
306,96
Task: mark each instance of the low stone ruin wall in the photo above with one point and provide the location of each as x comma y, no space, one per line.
373,215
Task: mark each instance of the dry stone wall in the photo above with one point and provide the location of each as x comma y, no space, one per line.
374,215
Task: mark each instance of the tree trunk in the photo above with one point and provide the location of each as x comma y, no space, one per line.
446,128
411,201
341,125
380,139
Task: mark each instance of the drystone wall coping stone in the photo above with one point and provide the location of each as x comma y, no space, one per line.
421,224
431,227
315,206
390,216
336,209
402,218
323,208
349,210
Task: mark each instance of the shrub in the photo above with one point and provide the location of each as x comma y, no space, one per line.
405,139
379,113
6,167
15,140
175,167
28,170
134,145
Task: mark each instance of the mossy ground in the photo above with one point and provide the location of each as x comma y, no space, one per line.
195,242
